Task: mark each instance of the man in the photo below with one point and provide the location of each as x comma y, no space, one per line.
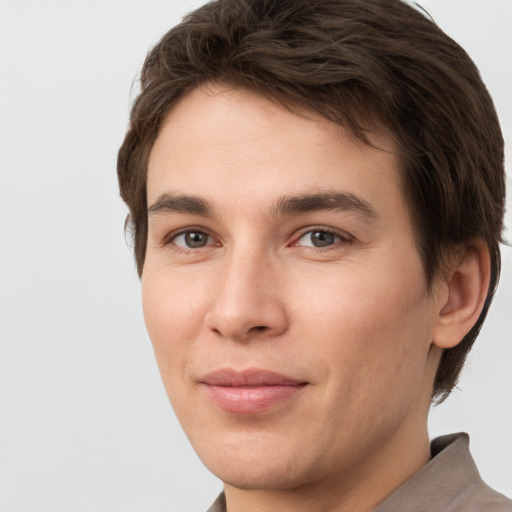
316,193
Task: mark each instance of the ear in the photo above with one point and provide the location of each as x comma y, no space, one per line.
466,286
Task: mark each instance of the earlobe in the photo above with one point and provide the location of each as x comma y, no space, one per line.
467,290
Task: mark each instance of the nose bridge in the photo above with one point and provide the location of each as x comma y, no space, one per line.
247,300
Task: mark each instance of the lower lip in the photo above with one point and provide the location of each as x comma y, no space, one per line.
251,400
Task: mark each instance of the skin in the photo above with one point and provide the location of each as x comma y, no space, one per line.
352,318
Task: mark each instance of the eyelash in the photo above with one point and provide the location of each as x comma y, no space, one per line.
342,239
170,239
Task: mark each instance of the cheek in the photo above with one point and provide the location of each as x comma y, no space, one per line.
393,332
368,326
172,320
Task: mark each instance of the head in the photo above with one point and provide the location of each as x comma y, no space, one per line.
359,64
381,72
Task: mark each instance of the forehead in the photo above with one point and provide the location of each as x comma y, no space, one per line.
230,144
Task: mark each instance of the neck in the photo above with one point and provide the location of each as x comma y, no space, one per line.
355,489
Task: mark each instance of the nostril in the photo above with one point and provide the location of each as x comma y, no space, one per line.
260,327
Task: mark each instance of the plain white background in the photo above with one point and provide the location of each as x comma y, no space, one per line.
85,425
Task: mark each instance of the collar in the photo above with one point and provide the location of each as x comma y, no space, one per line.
449,482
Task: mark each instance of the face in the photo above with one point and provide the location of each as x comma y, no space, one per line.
283,292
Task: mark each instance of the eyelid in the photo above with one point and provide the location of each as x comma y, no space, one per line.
342,235
170,237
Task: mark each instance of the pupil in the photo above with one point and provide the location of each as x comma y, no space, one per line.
322,239
195,240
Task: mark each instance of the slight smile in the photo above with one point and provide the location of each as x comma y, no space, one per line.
249,391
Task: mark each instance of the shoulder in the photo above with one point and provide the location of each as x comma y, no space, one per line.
450,482
473,495
479,497
219,505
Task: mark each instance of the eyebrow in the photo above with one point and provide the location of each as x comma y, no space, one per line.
180,204
340,201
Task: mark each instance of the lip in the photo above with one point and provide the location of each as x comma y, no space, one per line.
250,391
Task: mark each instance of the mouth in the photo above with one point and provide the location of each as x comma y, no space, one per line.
250,391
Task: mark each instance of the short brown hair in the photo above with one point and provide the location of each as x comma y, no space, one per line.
349,60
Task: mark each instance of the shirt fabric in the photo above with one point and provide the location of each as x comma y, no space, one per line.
450,482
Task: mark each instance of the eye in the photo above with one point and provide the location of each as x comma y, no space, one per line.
192,239
318,238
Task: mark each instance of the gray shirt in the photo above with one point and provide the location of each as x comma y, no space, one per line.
450,482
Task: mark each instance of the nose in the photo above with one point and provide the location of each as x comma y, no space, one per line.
248,301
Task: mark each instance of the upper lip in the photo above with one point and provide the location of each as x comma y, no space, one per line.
248,377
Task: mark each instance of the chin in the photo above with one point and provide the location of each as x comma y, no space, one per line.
266,477
260,467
